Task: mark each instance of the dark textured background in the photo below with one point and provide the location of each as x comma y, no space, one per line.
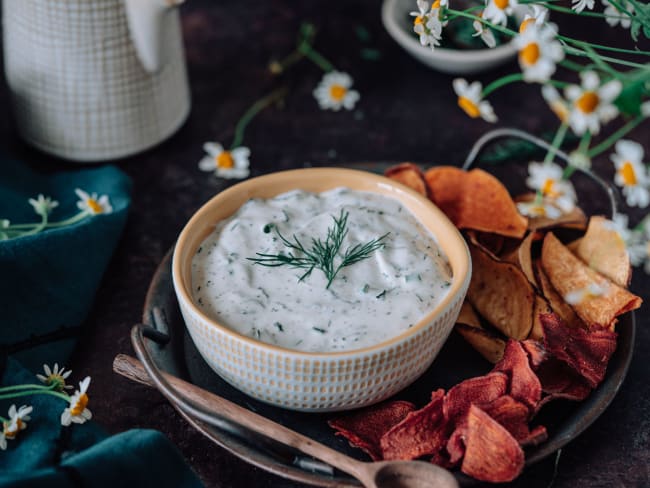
406,112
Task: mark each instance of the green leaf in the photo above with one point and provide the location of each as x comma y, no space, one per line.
629,101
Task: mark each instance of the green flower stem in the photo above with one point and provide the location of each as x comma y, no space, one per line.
250,114
50,225
38,227
567,10
565,63
557,142
599,59
289,61
611,140
3,420
621,8
35,392
584,142
603,47
498,28
496,84
317,58
6,389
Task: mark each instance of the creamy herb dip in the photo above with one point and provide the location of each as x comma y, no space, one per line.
367,303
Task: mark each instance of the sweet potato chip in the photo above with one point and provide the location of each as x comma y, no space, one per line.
363,429
603,249
475,200
502,294
493,243
575,219
478,390
420,433
514,416
408,174
541,307
567,274
557,303
524,384
491,452
585,351
487,343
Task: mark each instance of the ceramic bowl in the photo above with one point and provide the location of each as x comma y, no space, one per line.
320,381
394,15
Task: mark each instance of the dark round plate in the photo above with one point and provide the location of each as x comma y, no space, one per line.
457,361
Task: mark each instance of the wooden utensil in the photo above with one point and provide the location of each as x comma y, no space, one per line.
384,474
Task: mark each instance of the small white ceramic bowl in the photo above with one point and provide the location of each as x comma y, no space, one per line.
394,15
320,381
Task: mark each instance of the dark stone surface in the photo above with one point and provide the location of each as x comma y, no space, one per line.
406,112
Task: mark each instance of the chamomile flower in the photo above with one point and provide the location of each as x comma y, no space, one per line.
497,11
469,99
93,204
536,15
619,224
580,160
593,290
547,178
487,36
55,376
592,103
631,174
539,51
645,109
557,104
43,205
579,5
334,92
428,24
539,208
615,16
77,411
225,164
18,419
638,246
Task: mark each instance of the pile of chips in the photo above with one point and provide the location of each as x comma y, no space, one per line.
543,311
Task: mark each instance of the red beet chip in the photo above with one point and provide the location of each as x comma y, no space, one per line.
536,352
481,389
363,429
511,414
491,452
535,437
524,384
559,381
423,432
585,351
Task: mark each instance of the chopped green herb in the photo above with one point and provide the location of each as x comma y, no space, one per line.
322,254
318,329
381,295
279,326
365,288
267,228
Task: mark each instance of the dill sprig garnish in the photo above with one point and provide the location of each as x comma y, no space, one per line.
323,255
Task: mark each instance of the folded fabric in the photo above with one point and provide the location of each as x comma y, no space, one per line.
49,279
48,283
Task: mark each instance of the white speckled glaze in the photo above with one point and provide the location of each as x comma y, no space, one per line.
320,381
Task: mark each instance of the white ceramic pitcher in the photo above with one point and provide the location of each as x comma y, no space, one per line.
93,80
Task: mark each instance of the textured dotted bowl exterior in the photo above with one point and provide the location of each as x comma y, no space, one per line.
320,381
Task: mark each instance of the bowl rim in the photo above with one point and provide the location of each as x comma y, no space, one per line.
460,279
403,38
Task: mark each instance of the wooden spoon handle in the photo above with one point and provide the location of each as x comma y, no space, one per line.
133,369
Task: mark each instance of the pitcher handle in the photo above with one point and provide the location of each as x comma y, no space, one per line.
145,19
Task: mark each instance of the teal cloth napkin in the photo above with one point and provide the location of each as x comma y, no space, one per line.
48,282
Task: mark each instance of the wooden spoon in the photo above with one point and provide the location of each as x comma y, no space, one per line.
384,474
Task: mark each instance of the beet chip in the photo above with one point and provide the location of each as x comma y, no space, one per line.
586,352
423,432
524,384
536,352
491,452
363,429
482,389
561,382
514,416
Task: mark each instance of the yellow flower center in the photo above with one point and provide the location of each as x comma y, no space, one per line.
80,406
548,190
588,102
501,4
529,54
628,174
10,433
94,205
418,20
56,379
435,4
225,160
524,25
337,92
469,107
